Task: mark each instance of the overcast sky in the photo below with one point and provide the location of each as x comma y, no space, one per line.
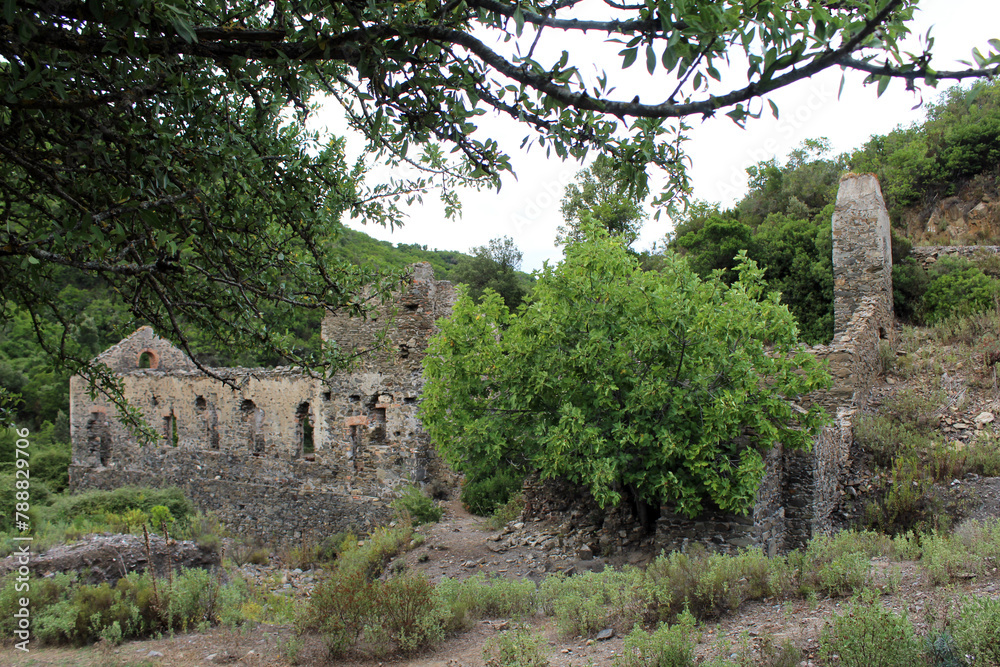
527,208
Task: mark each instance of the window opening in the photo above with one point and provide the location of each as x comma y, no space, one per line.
355,447
304,429
99,437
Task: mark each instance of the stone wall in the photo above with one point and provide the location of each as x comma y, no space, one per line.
283,455
926,256
862,256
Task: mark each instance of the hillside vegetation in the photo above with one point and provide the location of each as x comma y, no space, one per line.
783,222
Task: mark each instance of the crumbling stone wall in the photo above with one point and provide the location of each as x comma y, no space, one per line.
862,255
926,256
799,491
284,455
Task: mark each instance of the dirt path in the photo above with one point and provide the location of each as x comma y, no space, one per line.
460,546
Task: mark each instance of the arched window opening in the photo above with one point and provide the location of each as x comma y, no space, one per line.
147,359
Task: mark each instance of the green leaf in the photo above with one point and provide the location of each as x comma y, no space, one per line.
883,83
629,56
650,59
774,108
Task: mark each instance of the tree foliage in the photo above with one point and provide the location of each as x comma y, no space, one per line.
959,139
496,267
600,196
161,146
658,385
784,224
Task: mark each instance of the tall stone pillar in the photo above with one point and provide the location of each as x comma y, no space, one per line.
862,255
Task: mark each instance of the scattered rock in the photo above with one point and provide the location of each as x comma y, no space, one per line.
109,557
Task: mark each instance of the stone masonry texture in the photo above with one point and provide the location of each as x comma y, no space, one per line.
286,456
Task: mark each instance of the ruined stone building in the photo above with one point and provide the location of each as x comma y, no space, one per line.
286,455
290,456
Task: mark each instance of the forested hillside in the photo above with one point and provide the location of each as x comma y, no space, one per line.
783,222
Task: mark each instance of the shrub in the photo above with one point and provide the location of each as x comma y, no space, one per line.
403,615
837,565
517,647
909,284
484,494
707,585
909,502
977,630
98,503
959,293
338,610
587,603
398,614
494,597
64,611
870,636
667,646
506,513
884,438
417,506
374,553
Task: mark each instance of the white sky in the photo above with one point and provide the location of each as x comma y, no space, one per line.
527,208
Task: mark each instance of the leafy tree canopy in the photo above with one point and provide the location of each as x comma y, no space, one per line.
959,139
659,385
161,146
600,196
495,267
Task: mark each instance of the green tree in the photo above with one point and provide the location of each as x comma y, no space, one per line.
496,267
162,146
602,196
658,386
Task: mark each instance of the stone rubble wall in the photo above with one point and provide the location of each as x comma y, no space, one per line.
926,256
282,455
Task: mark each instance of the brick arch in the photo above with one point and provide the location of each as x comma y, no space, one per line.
154,358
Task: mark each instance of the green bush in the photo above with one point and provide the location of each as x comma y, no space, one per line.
506,513
398,614
959,293
707,584
884,438
483,597
517,647
870,636
374,553
97,504
64,611
420,509
483,495
667,646
404,616
908,503
836,565
977,630
909,284
587,603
